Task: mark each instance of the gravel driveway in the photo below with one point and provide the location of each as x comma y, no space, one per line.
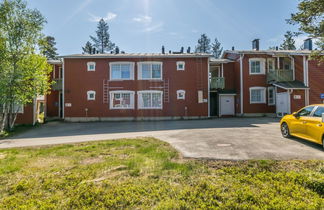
225,139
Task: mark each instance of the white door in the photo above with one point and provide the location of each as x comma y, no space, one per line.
282,103
226,103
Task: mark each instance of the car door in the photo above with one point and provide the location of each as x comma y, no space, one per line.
314,128
298,125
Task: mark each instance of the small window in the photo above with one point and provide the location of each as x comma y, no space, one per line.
16,108
257,65
319,111
91,66
271,96
121,71
91,95
150,99
306,111
150,70
181,94
257,95
180,65
122,100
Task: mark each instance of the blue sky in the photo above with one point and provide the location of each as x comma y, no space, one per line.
146,25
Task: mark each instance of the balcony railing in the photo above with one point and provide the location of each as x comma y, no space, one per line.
57,85
280,75
217,83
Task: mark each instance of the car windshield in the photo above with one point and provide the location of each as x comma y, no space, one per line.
306,111
319,111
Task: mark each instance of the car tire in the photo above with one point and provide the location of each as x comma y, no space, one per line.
323,142
285,130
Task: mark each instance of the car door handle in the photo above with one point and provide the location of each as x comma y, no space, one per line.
319,125
304,122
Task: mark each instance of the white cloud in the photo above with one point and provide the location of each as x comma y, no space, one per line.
143,19
154,28
110,16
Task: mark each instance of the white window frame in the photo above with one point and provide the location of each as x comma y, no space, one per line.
89,92
179,92
262,66
181,63
139,99
131,73
89,64
269,60
274,96
132,97
263,89
139,66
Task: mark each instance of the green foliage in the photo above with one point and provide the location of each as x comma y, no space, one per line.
288,42
145,173
23,73
88,48
216,48
203,44
102,40
310,18
47,47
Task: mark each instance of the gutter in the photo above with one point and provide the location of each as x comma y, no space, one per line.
241,82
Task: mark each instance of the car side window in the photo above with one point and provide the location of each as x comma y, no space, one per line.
319,111
306,111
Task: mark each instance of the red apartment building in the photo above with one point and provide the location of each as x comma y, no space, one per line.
161,86
265,82
130,87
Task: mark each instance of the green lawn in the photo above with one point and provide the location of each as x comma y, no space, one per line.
147,173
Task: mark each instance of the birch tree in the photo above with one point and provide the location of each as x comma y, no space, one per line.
24,74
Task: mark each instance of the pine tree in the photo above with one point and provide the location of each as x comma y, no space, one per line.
289,42
87,48
102,41
203,44
216,48
47,47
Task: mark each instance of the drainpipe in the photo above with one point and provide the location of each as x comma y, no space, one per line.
208,91
241,82
63,91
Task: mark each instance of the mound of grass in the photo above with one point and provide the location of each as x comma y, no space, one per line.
147,173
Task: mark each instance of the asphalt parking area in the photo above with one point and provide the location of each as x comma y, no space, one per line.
222,139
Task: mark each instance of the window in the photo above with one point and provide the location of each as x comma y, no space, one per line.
257,65
181,94
180,65
271,64
121,71
16,108
91,66
150,70
271,96
91,95
306,111
257,95
122,99
319,111
150,99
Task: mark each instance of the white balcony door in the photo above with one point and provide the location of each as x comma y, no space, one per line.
282,103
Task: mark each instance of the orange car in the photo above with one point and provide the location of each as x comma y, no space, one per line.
307,123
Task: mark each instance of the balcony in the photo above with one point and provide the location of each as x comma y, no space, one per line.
280,75
217,83
57,85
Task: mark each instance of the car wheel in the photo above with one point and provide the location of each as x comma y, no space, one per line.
285,130
323,142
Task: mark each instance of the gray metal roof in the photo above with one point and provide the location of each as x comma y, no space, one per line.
291,85
270,52
138,55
